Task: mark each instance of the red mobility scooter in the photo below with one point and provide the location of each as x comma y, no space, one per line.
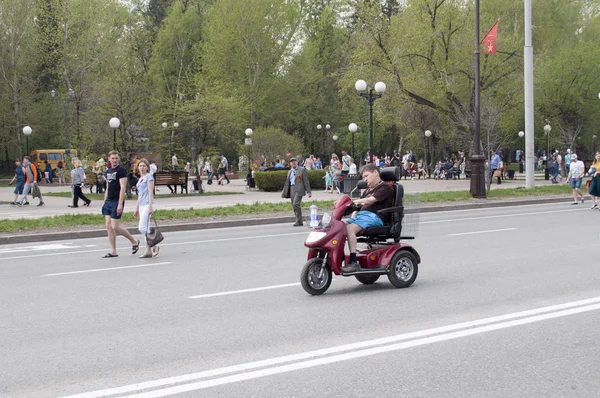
382,252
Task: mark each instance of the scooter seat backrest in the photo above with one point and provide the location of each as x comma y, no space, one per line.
388,174
396,219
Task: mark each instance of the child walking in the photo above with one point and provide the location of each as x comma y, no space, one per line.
328,180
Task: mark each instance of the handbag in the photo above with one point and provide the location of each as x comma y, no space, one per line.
497,173
154,237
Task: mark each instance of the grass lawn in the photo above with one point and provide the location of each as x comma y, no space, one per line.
74,220
454,196
100,196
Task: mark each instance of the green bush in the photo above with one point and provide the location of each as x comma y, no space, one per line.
316,178
272,181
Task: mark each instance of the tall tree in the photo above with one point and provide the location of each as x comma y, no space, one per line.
248,43
16,23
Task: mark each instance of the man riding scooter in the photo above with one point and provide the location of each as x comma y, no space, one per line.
377,196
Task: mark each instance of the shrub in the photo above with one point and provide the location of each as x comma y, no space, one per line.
272,181
316,179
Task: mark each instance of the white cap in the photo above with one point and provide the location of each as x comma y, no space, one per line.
574,155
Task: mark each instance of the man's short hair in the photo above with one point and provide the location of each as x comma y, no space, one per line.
370,168
26,157
114,152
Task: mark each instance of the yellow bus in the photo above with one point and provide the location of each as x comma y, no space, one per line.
53,156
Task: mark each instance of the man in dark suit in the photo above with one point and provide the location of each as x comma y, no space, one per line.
296,186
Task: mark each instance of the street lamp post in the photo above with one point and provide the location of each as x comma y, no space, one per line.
335,137
175,126
427,143
27,131
327,128
367,92
248,142
353,129
70,97
114,123
594,137
477,188
547,129
521,159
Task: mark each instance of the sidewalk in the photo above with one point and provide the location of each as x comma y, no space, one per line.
58,205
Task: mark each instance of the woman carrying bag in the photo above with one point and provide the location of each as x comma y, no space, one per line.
145,188
78,182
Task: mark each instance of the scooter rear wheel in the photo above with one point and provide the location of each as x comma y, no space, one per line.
404,269
315,276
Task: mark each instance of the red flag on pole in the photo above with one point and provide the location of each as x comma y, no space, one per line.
489,41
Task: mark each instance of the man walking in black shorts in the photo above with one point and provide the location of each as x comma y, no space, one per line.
114,201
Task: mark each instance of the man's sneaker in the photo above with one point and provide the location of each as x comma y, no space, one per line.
13,203
20,204
40,204
351,267
26,203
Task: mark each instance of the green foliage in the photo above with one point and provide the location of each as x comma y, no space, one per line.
273,181
317,179
271,144
270,181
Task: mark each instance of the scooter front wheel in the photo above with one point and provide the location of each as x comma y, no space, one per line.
315,276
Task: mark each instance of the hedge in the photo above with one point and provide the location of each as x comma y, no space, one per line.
272,181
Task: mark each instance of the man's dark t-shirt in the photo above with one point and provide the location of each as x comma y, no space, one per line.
383,193
113,175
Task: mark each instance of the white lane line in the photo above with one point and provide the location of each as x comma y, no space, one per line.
527,314
358,354
256,289
105,269
51,246
180,243
536,213
483,232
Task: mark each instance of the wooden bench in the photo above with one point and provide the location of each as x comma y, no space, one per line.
172,178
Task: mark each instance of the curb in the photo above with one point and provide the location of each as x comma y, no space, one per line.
96,233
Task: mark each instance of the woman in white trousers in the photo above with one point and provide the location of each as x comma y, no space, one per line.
145,202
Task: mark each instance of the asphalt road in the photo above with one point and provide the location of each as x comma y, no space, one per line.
506,304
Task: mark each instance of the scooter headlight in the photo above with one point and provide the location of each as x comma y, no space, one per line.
315,236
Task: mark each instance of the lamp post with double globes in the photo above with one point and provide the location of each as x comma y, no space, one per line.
522,158
370,94
27,131
335,137
114,124
353,129
327,128
547,129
